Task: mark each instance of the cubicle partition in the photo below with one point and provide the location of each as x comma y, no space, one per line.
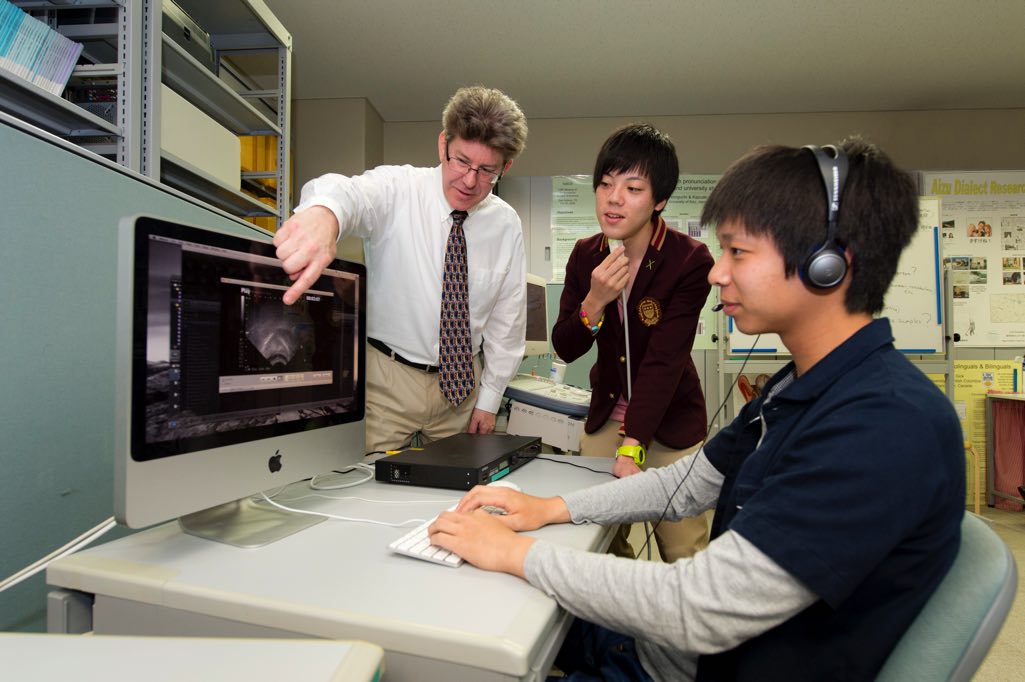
61,208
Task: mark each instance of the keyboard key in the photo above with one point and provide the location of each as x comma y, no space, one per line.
417,544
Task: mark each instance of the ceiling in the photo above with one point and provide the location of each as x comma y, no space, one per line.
626,58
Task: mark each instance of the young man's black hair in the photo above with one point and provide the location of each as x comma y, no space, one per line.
646,149
877,218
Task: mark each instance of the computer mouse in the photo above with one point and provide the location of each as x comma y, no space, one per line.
505,484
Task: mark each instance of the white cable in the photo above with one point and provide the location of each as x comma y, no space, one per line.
281,489
451,500
70,548
626,336
342,518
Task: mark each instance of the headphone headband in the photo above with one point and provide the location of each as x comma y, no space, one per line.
834,175
826,265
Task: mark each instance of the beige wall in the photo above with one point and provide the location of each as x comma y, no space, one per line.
335,136
348,136
917,140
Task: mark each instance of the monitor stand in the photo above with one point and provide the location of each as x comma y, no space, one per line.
243,523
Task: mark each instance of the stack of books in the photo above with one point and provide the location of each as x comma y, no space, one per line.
31,50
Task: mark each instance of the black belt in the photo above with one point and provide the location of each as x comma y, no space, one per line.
383,347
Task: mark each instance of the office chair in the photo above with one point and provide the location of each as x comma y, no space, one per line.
957,626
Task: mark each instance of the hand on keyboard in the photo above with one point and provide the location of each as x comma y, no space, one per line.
484,540
417,544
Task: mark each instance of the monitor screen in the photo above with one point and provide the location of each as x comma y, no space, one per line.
537,316
227,390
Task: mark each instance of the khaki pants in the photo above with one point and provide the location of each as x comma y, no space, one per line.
675,540
403,401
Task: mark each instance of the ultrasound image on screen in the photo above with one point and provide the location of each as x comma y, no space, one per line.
225,355
278,337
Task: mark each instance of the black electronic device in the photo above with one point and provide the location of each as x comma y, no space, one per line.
188,34
826,265
460,461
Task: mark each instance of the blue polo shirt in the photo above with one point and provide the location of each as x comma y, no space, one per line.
852,479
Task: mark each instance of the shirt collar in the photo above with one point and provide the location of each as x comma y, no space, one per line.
830,369
658,236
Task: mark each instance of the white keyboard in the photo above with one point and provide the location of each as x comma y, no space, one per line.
418,545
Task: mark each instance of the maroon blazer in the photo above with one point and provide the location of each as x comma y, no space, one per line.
668,294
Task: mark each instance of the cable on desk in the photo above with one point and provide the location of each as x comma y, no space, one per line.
567,463
341,518
367,470
70,548
367,499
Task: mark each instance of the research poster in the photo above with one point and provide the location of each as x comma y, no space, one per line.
973,379
573,218
983,247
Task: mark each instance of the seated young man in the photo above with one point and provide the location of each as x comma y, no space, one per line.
838,492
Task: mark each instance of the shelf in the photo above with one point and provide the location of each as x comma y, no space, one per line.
251,183
84,71
191,180
89,32
235,25
117,61
209,94
56,4
53,114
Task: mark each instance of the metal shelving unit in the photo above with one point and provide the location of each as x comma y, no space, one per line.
49,112
126,45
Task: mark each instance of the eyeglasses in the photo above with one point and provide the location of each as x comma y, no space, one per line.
462,167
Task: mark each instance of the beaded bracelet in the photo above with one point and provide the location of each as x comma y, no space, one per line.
587,322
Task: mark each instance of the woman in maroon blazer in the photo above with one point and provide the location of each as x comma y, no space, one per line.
658,415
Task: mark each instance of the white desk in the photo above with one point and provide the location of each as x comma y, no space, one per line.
84,658
337,580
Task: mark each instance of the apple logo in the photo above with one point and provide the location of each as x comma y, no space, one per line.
274,463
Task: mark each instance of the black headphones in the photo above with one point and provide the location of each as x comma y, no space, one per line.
826,266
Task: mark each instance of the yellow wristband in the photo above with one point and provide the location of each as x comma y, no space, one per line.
635,451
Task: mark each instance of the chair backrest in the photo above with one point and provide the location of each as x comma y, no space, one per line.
957,626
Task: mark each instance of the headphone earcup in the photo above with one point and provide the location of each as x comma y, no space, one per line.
825,267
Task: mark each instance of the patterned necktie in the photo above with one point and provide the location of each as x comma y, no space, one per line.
455,361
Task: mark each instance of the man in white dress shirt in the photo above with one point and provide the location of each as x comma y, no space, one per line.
405,216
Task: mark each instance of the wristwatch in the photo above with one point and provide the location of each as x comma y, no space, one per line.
635,451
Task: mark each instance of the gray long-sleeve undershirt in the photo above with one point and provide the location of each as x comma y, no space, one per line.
724,595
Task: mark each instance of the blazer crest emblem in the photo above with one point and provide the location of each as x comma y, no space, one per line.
649,311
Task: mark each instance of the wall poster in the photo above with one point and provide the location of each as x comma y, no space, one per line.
573,218
983,246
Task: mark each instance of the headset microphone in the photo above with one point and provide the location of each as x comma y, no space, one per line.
717,307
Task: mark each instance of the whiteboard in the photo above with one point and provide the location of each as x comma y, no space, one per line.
914,302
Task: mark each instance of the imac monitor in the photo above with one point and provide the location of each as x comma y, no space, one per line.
224,391
537,317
